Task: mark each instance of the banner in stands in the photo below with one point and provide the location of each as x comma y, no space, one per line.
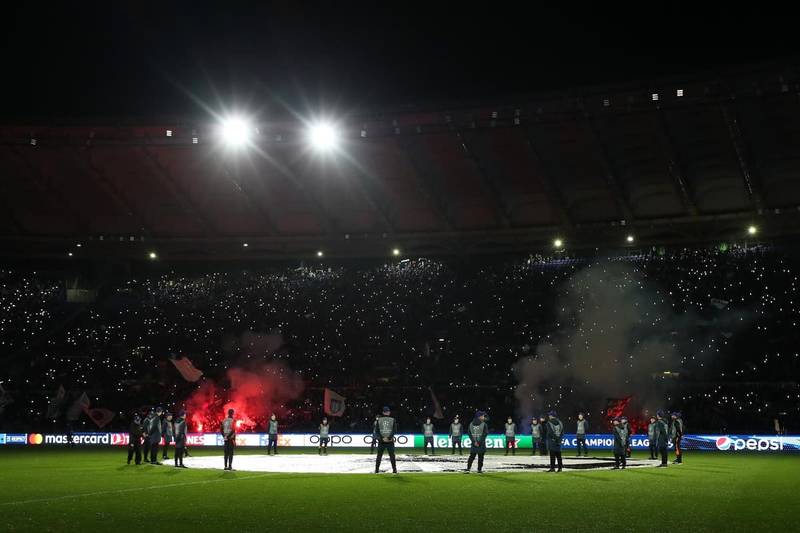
724,443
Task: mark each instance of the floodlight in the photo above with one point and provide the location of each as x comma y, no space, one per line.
323,136
236,132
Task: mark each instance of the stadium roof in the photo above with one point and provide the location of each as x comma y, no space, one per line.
667,162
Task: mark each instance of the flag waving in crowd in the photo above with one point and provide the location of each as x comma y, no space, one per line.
437,408
54,407
79,406
100,416
187,369
334,403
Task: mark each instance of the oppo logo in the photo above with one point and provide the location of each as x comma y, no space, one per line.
398,439
335,439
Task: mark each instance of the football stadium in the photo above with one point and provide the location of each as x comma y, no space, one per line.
246,285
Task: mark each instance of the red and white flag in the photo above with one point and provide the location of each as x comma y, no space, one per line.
187,369
80,405
437,408
100,416
334,403
54,407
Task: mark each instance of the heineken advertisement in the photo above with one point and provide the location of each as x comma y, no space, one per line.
722,443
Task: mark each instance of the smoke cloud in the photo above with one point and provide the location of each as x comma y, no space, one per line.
255,388
613,331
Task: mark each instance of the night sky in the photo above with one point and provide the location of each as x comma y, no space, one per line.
152,59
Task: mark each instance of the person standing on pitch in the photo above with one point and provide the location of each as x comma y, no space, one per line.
536,434
324,436
661,437
582,428
427,432
166,426
676,434
543,437
155,436
376,436
651,437
555,430
629,432
185,446
387,428
272,429
228,430
511,436
146,424
179,432
455,435
478,430
135,440
620,438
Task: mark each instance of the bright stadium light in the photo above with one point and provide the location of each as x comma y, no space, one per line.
319,253
236,132
153,256
752,230
558,243
629,238
245,245
323,136
396,252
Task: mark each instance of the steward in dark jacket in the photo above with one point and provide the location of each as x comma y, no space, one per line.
676,434
135,432
661,437
478,431
555,431
620,444
179,428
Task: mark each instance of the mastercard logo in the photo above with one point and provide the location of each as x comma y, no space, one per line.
35,438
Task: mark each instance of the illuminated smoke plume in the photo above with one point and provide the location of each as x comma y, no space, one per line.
255,389
613,331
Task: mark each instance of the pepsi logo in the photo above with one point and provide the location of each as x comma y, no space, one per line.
724,443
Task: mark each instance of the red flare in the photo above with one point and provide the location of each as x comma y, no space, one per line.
254,394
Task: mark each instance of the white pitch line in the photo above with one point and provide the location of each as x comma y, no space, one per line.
133,489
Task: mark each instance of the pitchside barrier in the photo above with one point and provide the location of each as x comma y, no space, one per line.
728,443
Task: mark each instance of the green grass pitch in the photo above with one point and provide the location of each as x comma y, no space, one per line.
84,490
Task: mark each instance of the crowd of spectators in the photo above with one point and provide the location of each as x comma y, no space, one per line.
399,331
